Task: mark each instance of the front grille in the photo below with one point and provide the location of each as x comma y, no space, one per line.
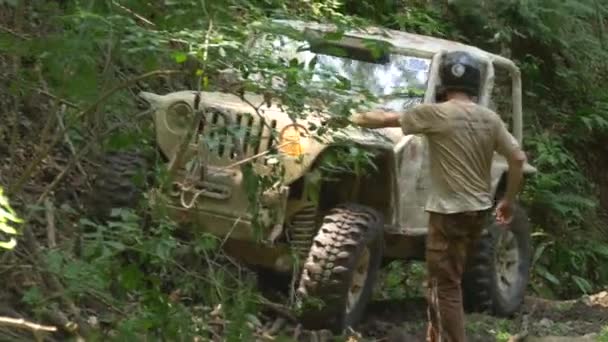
226,133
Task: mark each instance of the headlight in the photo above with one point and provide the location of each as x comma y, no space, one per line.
293,140
178,117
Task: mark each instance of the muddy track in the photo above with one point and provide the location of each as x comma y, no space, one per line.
539,320
539,317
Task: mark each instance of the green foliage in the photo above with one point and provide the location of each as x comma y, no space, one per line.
560,192
161,276
575,258
402,280
603,337
8,218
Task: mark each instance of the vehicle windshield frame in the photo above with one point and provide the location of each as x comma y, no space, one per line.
412,93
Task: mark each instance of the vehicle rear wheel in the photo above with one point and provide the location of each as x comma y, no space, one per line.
497,276
341,268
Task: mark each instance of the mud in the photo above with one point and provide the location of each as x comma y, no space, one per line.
539,320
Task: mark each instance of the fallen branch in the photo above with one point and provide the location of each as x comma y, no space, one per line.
130,11
16,34
276,326
279,309
23,324
57,98
50,226
67,139
19,323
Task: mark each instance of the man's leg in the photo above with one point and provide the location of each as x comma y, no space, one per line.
448,241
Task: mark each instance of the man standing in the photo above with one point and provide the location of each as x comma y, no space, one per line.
462,137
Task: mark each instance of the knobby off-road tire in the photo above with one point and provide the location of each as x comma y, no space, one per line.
341,268
119,183
496,277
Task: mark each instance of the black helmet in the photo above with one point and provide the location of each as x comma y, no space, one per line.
461,71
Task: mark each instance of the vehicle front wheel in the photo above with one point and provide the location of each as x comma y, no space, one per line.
341,268
497,275
119,182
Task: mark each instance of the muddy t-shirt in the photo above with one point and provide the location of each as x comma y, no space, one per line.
462,138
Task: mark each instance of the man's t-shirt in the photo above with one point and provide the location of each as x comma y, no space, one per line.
462,138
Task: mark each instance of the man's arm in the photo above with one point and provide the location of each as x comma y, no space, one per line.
507,146
421,119
377,119
516,161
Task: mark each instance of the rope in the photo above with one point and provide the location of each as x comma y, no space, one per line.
187,186
435,305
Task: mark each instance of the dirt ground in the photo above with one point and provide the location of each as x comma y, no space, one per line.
539,320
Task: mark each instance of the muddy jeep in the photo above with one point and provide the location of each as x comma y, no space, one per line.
332,230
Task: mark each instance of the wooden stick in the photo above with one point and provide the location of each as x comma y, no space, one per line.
130,11
50,219
67,139
278,308
56,98
23,324
14,33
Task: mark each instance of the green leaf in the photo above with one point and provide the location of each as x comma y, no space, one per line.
583,284
131,277
7,229
10,244
601,249
33,296
539,251
543,272
55,261
180,57
335,35
206,243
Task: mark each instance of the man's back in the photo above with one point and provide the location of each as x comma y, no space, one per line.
462,138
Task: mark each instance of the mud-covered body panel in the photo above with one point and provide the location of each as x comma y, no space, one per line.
227,209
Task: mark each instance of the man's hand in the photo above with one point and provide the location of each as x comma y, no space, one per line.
504,212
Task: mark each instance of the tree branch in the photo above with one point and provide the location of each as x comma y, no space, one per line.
16,34
23,324
42,151
130,11
20,323
56,98
125,84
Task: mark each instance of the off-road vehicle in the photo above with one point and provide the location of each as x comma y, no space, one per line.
344,226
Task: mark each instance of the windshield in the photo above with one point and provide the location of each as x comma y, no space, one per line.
398,84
